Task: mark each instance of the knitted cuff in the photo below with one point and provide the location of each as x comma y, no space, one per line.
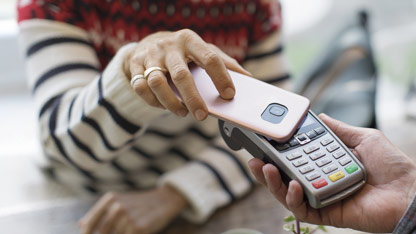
201,189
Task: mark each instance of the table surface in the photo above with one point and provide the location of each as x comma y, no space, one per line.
258,210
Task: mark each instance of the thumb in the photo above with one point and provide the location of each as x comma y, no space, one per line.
348,134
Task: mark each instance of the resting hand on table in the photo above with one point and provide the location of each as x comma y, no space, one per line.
172,51
377,207
133,212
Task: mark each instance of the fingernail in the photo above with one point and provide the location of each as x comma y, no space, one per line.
200,114
182,112
249,73
264,170
229,92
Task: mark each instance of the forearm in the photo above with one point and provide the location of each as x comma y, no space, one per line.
86,117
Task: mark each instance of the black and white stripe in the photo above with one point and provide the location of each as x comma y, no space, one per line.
59,145
118,119
276,51
237,162
220,179
54,41
60,69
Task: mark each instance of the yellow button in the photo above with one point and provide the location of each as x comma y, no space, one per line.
336,176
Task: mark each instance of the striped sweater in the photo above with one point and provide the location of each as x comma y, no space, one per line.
97,134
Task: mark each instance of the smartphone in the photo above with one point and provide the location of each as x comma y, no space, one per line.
256,106
327,170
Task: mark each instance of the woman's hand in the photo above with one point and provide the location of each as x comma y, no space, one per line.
133,212
173,51
377,207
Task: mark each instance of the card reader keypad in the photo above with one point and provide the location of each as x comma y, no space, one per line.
322,160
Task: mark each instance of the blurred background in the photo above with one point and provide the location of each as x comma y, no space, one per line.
309,27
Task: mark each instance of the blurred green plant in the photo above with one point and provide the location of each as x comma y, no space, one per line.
293,225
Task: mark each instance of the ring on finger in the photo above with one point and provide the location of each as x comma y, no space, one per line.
152,69
135,78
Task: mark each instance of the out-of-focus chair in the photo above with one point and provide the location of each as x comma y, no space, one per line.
341,81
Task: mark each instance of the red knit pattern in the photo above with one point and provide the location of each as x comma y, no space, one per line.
231,25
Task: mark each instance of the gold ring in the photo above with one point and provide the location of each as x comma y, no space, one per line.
135,78
152,69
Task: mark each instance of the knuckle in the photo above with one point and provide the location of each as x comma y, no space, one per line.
211,58
152,49
136,59
192,101
140,88
165,42
186,34
155,80
180,73
172,105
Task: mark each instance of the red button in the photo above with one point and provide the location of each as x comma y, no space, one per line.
320,183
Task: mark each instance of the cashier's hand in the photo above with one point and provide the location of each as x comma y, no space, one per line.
133,212
377,207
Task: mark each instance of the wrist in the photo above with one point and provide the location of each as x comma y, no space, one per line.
176,198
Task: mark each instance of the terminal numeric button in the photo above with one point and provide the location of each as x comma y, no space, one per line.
306,169
312,176
330,168
320,183
311,149
336,176
344,161
338,154
293,142
294,156
317,155
302,137
319,130
326,141
351,168
323,162
332,148
300,162
311,134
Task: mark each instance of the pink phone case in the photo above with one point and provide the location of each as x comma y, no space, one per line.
250,101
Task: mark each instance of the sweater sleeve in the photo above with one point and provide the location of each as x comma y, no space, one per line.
407,224
73,96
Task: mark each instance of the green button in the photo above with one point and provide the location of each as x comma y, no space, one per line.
351,168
